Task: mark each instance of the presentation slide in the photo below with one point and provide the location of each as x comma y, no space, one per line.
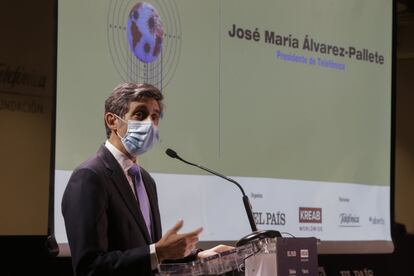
290,98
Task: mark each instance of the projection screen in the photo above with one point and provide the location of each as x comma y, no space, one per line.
290,98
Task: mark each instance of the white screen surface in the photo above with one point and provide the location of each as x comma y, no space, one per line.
291,99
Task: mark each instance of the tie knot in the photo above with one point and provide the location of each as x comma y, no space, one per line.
134,170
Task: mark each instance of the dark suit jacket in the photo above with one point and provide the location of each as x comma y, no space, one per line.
106,232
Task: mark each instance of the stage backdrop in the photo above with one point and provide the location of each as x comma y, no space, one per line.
290,98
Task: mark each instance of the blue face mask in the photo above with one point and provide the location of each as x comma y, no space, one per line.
140,136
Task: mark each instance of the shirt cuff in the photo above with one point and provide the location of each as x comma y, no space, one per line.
153,256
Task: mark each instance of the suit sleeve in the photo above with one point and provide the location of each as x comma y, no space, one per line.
84,208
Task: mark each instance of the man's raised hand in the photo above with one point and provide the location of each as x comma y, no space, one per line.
173,245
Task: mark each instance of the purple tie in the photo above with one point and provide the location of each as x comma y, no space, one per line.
141,194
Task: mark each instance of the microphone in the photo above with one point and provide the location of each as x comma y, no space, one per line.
255,234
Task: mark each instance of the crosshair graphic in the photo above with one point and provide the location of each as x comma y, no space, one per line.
144,40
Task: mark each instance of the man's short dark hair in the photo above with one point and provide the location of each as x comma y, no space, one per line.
125,93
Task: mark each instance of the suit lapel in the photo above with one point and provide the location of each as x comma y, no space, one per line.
121,183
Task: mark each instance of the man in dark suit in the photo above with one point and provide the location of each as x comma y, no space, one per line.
110,204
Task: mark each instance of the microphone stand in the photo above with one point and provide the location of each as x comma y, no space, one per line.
256,234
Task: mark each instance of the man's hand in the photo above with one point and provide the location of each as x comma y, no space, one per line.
176,246
213,251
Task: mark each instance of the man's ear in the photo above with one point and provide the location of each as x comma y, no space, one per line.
110,120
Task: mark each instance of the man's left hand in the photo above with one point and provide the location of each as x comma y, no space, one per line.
213,251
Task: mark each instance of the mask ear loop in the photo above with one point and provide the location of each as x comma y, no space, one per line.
116,131
119,118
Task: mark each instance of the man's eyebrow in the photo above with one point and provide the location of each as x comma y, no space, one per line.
144,106
140,107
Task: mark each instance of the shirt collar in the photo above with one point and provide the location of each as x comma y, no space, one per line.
122,159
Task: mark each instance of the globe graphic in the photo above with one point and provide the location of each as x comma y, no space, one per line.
145,32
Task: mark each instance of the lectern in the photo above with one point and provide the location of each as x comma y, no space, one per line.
264,257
